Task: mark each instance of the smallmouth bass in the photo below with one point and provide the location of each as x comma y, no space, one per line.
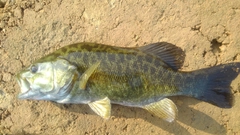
144,77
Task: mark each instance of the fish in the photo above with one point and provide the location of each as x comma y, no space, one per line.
144,77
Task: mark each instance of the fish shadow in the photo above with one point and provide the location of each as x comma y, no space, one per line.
186,116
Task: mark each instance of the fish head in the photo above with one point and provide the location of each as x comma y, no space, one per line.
50,80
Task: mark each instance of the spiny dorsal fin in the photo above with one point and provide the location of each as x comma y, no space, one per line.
85,76
167,52
102,107
164,109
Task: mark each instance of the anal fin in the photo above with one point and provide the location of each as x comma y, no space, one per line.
164,109
102,107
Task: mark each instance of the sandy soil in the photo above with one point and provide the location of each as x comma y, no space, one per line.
209,33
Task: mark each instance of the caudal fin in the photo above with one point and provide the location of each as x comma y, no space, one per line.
213,84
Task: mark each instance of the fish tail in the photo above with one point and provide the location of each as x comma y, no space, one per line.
212,84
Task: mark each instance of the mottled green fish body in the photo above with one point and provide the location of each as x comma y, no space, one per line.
124,74
140,77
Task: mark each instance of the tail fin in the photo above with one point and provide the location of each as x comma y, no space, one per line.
212,84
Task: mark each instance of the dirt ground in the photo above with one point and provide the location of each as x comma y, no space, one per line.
209,33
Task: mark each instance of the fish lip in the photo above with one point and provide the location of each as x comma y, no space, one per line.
24,86
22,95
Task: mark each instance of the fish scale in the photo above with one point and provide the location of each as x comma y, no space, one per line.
125,60
98,75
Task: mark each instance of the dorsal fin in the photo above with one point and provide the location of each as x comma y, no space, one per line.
172,55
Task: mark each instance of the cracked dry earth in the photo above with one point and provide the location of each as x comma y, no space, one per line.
209,33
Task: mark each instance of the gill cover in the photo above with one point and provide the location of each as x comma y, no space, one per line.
46,80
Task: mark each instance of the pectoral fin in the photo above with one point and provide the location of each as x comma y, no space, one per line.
164,109
85,76
102,107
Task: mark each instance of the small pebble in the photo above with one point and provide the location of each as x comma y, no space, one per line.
6,77
18,12
1,93
38,6
2,24
2,3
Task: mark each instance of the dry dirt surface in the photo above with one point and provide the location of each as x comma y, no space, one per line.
209,33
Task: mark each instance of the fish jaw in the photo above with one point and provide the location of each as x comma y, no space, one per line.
26,91
24,86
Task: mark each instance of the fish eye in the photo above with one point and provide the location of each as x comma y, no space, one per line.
34,68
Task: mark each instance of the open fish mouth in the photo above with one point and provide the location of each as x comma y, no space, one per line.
25,86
